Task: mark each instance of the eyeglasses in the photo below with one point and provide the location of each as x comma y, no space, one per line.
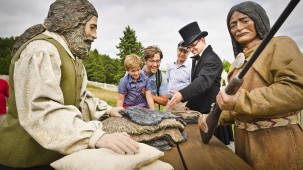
154,61
192,45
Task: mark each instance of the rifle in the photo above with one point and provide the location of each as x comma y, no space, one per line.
237,81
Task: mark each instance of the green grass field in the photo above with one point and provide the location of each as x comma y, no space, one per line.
109,96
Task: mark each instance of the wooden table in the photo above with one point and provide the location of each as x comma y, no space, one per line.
194,155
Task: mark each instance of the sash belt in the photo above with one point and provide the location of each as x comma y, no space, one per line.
265,124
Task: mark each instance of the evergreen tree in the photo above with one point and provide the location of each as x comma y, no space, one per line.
101,68
94,67
226,65
128,45
6,45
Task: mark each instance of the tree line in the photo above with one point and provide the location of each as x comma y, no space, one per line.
6,45
99,67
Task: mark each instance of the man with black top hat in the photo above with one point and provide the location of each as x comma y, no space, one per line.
205,77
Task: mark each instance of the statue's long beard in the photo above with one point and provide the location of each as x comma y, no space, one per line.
78,42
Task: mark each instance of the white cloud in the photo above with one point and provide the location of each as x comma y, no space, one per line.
156,22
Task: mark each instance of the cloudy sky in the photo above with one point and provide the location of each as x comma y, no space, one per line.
156,22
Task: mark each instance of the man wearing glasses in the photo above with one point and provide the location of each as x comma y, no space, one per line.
179,74
152,57
205,77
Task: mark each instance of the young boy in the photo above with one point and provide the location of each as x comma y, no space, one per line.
131,85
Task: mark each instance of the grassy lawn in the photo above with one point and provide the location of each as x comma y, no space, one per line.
107,95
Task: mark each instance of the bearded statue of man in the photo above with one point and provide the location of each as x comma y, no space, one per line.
68,19
51,113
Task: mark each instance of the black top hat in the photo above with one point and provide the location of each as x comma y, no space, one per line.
190,33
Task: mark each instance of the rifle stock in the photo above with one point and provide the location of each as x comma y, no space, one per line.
213,117
235,84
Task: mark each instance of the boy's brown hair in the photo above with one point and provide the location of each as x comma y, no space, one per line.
132,61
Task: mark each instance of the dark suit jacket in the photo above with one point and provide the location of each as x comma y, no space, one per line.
205,85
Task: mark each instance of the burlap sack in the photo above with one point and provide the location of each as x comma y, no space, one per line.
106,159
